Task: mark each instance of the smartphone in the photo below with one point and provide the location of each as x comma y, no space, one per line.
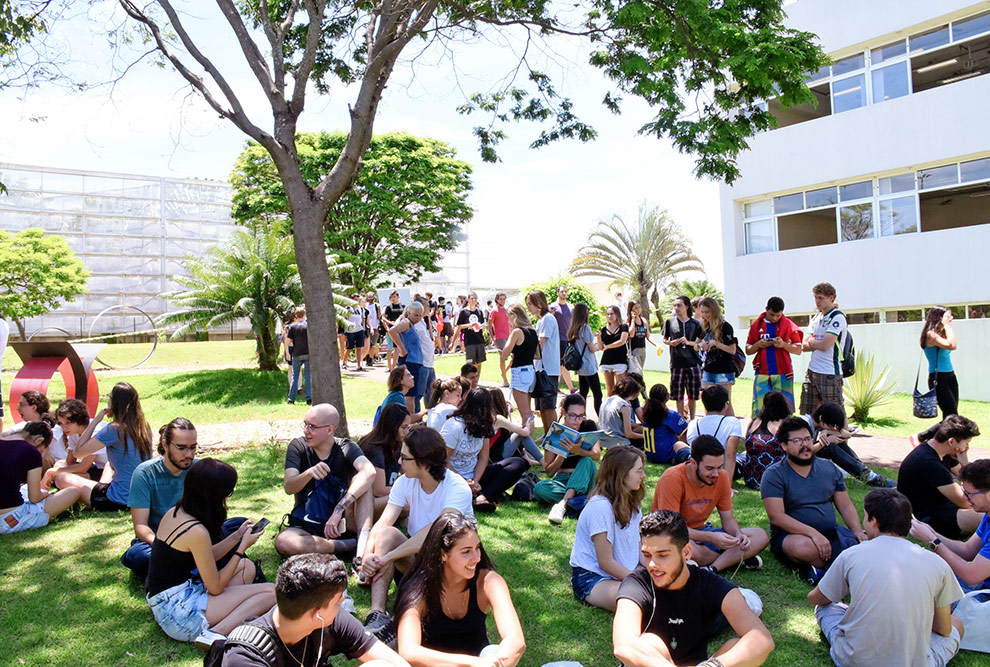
260,526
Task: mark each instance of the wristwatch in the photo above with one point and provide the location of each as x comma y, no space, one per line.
934,543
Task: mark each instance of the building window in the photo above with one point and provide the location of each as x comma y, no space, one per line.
979,311
856,222
898,216
807,229
913,315
759,236
869,317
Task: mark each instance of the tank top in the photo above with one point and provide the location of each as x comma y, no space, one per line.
466,635
523,353
414,353
637,338
938,358
168,566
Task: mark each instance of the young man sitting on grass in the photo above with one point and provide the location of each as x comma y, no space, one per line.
668,610
900,595
969,560
801,494
831,434
695,489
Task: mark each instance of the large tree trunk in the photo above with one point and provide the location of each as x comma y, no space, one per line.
644,303
307,220
20,328
267,346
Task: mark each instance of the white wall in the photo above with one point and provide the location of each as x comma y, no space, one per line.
897,346
845,23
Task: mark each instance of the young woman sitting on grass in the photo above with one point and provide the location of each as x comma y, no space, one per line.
445,599
606,542
467,434
509,436
32,507
445,397
189,607
762,447
73,418
128,443
382,446
616,415
663,429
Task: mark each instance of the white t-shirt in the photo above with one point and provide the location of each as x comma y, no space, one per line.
597,517
466,448
425,342
826,361
439,414
424,508
547,328
895,587
4,334
722,427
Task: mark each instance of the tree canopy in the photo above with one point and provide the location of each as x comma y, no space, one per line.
37,274
577,292
402,213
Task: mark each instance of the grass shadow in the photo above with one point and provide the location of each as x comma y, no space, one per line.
881,422
227,388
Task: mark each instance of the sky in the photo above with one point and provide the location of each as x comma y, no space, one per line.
533,210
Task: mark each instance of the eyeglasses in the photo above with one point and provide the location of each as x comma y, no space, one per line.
969,494
407,459
182,449
575,415
800,441
312,427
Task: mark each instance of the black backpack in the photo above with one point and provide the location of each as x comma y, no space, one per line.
847,350
258,637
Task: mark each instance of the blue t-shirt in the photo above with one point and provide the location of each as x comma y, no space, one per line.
659,442
123,464
156,489
771,358
983,532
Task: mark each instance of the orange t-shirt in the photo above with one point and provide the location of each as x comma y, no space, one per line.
675,492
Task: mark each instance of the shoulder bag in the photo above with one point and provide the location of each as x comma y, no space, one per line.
925,406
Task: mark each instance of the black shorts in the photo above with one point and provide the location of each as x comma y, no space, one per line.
314,529
841,539
355,340
95,473
98,500
475,354
945,521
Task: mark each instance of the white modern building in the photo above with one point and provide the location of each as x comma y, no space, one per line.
131,231
882,190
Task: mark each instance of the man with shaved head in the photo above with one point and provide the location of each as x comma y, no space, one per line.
331,481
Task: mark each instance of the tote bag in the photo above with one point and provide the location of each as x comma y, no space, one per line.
925,406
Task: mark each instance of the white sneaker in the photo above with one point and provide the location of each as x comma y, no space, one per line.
556,515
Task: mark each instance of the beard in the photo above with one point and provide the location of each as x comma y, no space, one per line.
801,462
672,576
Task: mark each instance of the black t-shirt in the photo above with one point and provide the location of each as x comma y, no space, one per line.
615,355
391,468
719,361
299,336
343,454
345,635
921,473
684,619
682,356
393,312
472,337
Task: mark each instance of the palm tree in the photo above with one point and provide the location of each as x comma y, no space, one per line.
253,274
646,256
690,289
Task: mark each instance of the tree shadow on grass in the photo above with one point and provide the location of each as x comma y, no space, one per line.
227,388
882,422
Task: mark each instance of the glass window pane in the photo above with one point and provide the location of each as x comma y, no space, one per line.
937,176
883,53
62,182
758,208
849,93
759,237
904,315
850,64
890,82
787,203
930,39
979,312
856,221
817,76
856,190
21,179
977,170
899,183
820,197
872,317
969,27
898,216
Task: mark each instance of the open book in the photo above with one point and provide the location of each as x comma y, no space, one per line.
552,441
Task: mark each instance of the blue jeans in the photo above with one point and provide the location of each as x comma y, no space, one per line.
298,361
513,443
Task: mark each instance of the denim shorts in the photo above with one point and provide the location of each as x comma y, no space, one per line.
181,610
523,378
709,528
582,581
718,378
24,517
618,369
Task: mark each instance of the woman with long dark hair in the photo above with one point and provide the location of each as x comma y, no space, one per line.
639,332
189,607
606,541
467,434
381,446
663,429
128,443
938,340
509,436
612,342
580,335
762,447
445,599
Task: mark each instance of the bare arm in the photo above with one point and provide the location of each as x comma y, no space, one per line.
755,642
410,637
87,443
197,542
382,652
948,341
954,493
848,513
731,449
826,343
482,464
627,426
510,343
603,551
513,643
139,517
394,332
378,487
35,492
817,598
962,557
627,640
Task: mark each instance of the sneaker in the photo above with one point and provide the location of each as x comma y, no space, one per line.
291,401
753,563
206,638
814,575
556,515
382,626
309,401
879,481
347,604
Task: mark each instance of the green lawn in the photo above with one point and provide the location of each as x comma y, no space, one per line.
95,612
